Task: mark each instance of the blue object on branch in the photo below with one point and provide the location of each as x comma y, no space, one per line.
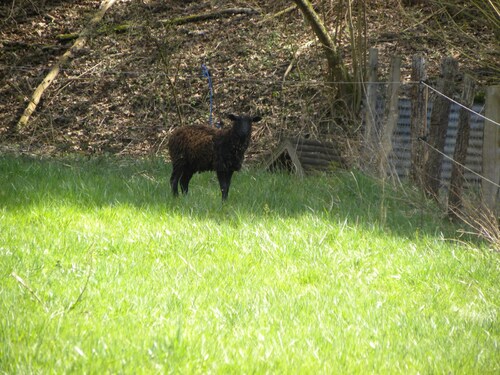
206,73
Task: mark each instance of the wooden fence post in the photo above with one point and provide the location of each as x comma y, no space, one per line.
491,149
460,152
418,122
439,125
390,118
371,130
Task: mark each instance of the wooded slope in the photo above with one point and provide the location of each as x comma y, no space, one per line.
139,75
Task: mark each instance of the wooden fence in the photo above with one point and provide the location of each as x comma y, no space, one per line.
400,157
431,136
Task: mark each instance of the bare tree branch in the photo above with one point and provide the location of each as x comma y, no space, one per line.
63,60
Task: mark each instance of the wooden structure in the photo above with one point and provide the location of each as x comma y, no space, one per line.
416,137
491,151
304,156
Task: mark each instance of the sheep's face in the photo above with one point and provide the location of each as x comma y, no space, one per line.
242,125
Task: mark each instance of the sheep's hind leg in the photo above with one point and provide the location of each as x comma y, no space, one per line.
224,182
185,178
174,180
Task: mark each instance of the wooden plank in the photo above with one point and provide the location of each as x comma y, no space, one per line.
439,125
460,152
325,146
304,155
371,132
491,150
285,147
418,121
320,150
315,161
318,155
312,142
390,116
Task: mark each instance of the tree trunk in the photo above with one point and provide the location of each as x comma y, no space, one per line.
82,39
336,70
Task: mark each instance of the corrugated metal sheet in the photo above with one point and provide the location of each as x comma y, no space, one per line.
401,142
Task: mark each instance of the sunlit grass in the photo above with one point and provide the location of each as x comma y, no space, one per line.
103,271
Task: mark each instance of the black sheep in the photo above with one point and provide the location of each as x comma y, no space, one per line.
199,148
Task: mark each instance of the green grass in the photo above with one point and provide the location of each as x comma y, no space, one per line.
330,274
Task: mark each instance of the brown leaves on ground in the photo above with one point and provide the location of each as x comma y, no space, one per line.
139,77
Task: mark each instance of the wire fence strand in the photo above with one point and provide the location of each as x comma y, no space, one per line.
279,81
460,104
460,164
448,157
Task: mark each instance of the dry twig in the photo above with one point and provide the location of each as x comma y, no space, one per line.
29,289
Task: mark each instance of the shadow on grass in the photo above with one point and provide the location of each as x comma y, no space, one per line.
94,183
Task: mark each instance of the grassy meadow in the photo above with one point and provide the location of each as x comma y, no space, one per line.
103,271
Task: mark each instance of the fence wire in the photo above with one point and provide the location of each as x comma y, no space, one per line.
456,162
448,157
135,73
460,104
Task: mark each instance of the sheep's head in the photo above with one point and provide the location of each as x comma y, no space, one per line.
242,125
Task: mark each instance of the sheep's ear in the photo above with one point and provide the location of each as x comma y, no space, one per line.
256,119
232,117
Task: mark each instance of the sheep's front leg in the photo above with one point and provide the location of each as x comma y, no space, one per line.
224,182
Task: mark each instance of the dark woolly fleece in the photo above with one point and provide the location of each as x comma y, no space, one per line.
200,148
